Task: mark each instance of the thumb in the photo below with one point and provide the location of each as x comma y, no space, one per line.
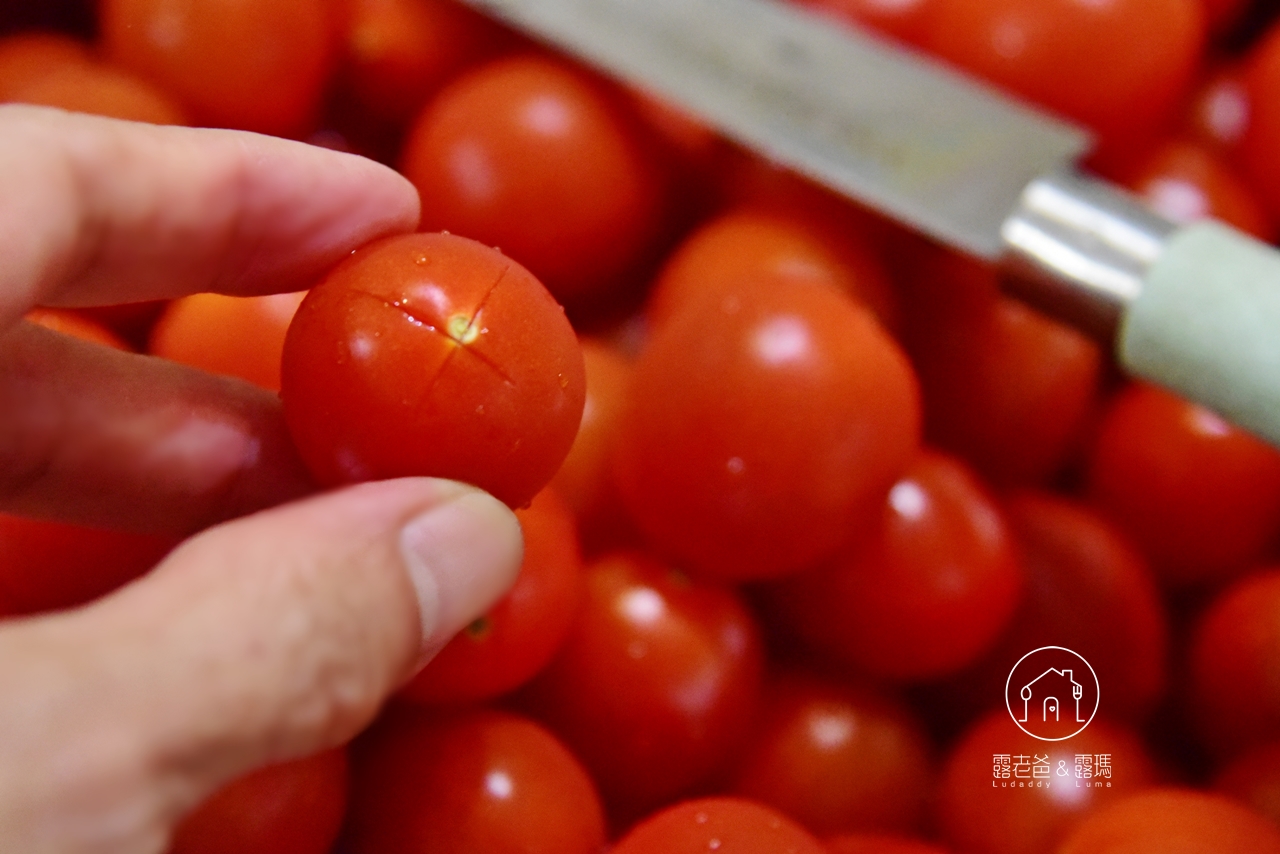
260,640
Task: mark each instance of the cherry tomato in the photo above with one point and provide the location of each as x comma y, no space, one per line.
1218,113
764,423
27,57
657,683
75,324
928,592
399,52
430,354
1087,589
1174,820
586,478
746,244
982,812
236,336
481,781
1262,135
292,808
1005,387
49,566
530,155
1200,497
836,757
873,844
249,64
99,89
520,634
1235,665
1118,66
718,824
1254,779
1184,183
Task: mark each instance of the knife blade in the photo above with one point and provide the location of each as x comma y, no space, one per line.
1196,309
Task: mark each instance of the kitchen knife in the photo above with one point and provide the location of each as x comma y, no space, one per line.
1194,308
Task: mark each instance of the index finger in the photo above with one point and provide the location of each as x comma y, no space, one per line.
96,211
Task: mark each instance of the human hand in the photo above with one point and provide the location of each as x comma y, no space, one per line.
261,639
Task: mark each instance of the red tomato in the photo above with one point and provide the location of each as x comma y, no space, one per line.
1118,66
1235,665
718,824
1200,497
253,64
1218,113
1254,779
836,757
1087,589
657,683
764,423
520,634
27,57
586,478
75,324
399,52
1185,182
429,354
1005,387
749,244
101,90
927,593
482,781
978,814
869,844
236,336
292,808
49,566
1174,820
531,156
1262,136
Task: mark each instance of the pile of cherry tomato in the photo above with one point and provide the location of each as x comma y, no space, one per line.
828,484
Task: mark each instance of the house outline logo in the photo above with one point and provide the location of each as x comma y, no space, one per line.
1051,690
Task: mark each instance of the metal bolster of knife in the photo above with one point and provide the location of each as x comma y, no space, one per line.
1080,250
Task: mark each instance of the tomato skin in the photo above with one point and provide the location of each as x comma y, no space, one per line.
975,817
521,633
27,57
748,243
1185,183
711,824
292,808
430,354
49,566
1088,589
1235,665
1005,387
236,336
764,425
1117,66
926,593
657,682
397,53
835,757
1174,820
102,90
246,64
466,783
1253,778
527,154
77,325
868,844
1200,497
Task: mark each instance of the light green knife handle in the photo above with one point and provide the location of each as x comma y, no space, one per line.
1206,324
1195,309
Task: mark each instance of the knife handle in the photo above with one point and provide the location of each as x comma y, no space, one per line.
1195,309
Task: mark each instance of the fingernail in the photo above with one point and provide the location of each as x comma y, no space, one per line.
462,556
